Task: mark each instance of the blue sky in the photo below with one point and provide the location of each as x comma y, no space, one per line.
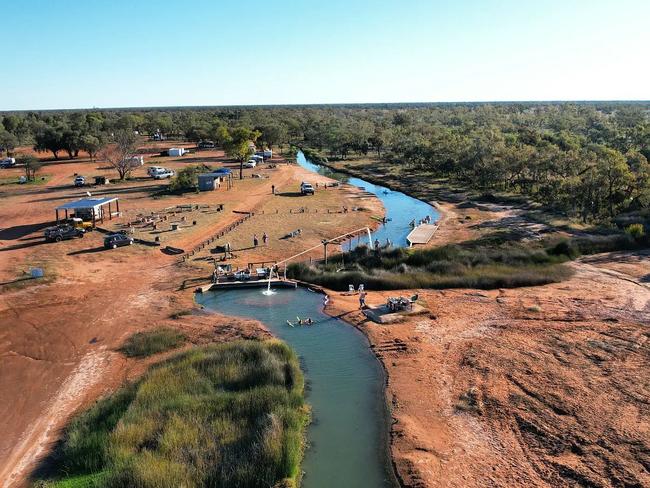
82,54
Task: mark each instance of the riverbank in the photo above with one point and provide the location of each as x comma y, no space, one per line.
498,375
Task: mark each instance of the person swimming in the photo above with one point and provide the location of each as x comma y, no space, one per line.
299,321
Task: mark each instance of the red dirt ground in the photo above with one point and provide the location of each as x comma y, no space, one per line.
545,386
59,337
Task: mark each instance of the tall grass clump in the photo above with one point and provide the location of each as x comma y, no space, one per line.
149,342
223,416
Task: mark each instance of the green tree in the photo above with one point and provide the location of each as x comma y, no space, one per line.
49,138
238,145
92,144
8,141
31,164
186,179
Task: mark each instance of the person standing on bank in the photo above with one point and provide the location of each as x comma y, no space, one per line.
265,239
255,240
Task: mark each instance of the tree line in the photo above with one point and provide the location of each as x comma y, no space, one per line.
584,159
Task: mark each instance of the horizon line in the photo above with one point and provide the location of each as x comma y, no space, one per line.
330,104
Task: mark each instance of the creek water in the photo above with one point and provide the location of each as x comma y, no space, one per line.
400,208
348,435
348,438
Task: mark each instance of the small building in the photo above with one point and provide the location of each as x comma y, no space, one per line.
90,209
212,181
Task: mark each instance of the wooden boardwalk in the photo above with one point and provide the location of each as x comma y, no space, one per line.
226,285
422,234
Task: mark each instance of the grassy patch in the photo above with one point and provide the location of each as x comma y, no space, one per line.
473,265
223,415
147,343
40,180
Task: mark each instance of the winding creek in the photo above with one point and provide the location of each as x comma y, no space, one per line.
348,438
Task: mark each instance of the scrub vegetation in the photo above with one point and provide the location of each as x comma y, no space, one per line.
453,266
585,160
494,261
223,416
147,343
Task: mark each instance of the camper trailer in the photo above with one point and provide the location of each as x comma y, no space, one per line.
176,151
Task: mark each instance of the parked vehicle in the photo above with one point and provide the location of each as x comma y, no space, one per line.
250,164
79,181
7,162
79,223
113,241
176,151
206,145
161,175
152,170
306,188
136,161
62,232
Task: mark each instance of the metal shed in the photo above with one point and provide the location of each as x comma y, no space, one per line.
90,209
212,181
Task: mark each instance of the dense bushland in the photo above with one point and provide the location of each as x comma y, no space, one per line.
587,160
223,416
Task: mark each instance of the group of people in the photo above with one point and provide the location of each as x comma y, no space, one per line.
256,241
425,220
378,244
299,321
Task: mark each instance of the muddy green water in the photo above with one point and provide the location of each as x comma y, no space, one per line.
348,436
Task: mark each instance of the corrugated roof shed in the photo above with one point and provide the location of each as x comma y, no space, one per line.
86,203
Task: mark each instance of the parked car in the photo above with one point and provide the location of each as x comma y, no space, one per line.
206,145
161,175
112,241
79,181
7,162
62,232
306,188
250,164
152,170
79,223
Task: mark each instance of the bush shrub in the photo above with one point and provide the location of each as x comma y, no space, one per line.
147,343
635,230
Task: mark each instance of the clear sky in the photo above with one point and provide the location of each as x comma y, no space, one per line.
133,53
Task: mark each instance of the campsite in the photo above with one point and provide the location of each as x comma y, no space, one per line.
358,245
